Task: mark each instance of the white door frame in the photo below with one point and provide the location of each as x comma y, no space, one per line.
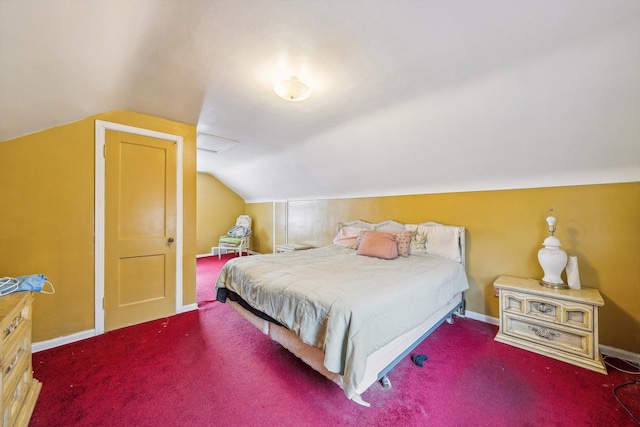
101,130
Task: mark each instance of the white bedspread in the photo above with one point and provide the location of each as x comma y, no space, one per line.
345,304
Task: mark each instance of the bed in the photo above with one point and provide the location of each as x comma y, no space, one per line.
349,314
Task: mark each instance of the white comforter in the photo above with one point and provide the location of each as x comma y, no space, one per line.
345,304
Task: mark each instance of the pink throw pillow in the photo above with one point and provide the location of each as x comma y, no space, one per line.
379,245
404,242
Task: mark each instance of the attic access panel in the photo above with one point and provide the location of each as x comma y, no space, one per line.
213,143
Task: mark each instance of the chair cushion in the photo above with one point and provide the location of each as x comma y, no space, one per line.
230,240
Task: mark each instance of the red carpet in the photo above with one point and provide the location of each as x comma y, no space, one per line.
212,368
208,269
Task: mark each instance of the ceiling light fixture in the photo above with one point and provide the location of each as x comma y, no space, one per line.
292,90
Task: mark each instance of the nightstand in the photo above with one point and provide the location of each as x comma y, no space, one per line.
562,324
291,247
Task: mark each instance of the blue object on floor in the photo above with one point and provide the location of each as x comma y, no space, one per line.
419,359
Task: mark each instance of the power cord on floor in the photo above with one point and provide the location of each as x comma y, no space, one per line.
622,404
628,362
619,386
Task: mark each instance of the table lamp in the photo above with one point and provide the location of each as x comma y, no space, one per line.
552,259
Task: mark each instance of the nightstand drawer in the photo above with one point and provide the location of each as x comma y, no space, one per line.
578,316
537,307
524,304
554,336
544,309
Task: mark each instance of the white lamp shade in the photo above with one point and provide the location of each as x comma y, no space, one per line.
292,90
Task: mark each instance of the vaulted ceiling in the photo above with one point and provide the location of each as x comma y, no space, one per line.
407,96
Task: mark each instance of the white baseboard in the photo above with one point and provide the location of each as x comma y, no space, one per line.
482,317
67,339
190,307
620,354
205,255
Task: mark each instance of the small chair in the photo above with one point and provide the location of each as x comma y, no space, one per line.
238,238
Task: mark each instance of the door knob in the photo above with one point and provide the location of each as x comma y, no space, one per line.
170,240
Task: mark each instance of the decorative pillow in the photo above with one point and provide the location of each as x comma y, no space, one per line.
443,241
404,242
389,226
238,231
359,239
379,245
347,236
418,239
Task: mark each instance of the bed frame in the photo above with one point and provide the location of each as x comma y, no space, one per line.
457,309
379,364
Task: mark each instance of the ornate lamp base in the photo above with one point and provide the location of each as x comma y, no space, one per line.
552,260
554,285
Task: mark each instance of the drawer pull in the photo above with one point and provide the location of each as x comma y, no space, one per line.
542,307
544,332
13,364
12,326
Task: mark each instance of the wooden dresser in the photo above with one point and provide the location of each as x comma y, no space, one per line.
19,389
562,324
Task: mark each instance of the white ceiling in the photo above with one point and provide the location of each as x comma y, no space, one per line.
408,96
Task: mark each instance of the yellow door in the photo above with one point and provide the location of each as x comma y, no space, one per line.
140,226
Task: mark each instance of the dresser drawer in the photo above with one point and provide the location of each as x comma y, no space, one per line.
18,389
14,325
12,365
553,336
19,338
13,402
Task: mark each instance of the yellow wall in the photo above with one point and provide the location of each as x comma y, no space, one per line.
262,217
598,223
47,223
218,208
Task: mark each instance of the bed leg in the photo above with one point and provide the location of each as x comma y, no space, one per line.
462,308
459,312
385,381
